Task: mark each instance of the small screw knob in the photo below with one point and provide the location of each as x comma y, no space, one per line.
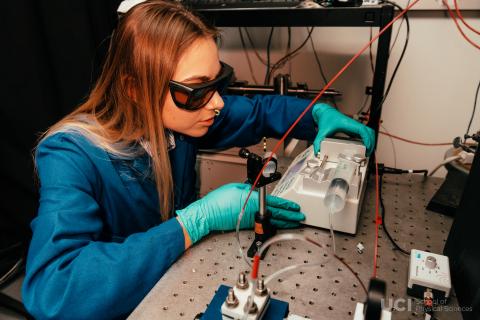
260,290
231,300
242,282
431,262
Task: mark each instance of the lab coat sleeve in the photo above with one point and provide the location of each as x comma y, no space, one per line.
244,121
71,273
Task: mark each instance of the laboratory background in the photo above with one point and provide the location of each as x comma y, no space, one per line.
387,234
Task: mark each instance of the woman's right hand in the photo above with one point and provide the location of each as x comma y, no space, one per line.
219,210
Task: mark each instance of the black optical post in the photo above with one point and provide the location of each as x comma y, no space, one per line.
263,226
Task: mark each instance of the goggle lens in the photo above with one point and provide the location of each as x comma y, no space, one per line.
194,97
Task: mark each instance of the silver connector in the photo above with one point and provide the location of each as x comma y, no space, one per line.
231,300
242,282
262,206
260,289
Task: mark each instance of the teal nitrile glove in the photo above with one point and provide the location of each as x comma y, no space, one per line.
329,121
219,210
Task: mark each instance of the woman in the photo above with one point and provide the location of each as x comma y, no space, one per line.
117,199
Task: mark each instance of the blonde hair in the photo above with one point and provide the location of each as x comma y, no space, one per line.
125,105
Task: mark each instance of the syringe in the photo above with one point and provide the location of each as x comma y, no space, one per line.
338,189
342,178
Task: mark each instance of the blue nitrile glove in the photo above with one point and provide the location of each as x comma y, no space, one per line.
329,121
219,210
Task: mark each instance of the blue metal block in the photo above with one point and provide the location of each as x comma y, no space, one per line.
277,310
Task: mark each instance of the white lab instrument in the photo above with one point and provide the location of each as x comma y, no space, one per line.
429,271
331,182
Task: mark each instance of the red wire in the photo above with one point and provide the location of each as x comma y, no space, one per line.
255,266
377,219
452,15
416,142
334,78
328,85
459,14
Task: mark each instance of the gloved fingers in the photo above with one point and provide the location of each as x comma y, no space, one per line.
368,137
323,133
283,224
283,214
317,142
278,202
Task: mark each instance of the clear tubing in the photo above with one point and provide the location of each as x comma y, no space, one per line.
237,235
332,233
291,236
266,244
290,268
281,237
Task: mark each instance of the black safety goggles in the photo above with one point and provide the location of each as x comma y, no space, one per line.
192,97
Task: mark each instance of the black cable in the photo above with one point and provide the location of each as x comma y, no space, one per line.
14,305
269,43
367,96
319,63
249,62
385,169
289,46
317,59
387,91
380,178
474,107
398,30
287,57
259,57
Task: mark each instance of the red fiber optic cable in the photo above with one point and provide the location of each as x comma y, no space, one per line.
428,144
416,142
452,15
328,85
255,266
459,14
377,219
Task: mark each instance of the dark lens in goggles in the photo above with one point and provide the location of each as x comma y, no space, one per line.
194,96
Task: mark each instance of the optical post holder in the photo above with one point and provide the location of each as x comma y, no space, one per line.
263,226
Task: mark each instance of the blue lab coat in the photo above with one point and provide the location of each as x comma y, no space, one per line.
98,243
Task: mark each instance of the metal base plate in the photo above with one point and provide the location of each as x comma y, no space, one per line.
326,292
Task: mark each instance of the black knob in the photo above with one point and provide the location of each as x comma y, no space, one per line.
457,142
244,153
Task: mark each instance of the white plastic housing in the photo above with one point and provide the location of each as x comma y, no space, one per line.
308,178
429,270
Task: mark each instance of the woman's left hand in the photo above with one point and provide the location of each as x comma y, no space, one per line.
329,121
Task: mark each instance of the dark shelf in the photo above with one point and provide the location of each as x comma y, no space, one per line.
367,16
